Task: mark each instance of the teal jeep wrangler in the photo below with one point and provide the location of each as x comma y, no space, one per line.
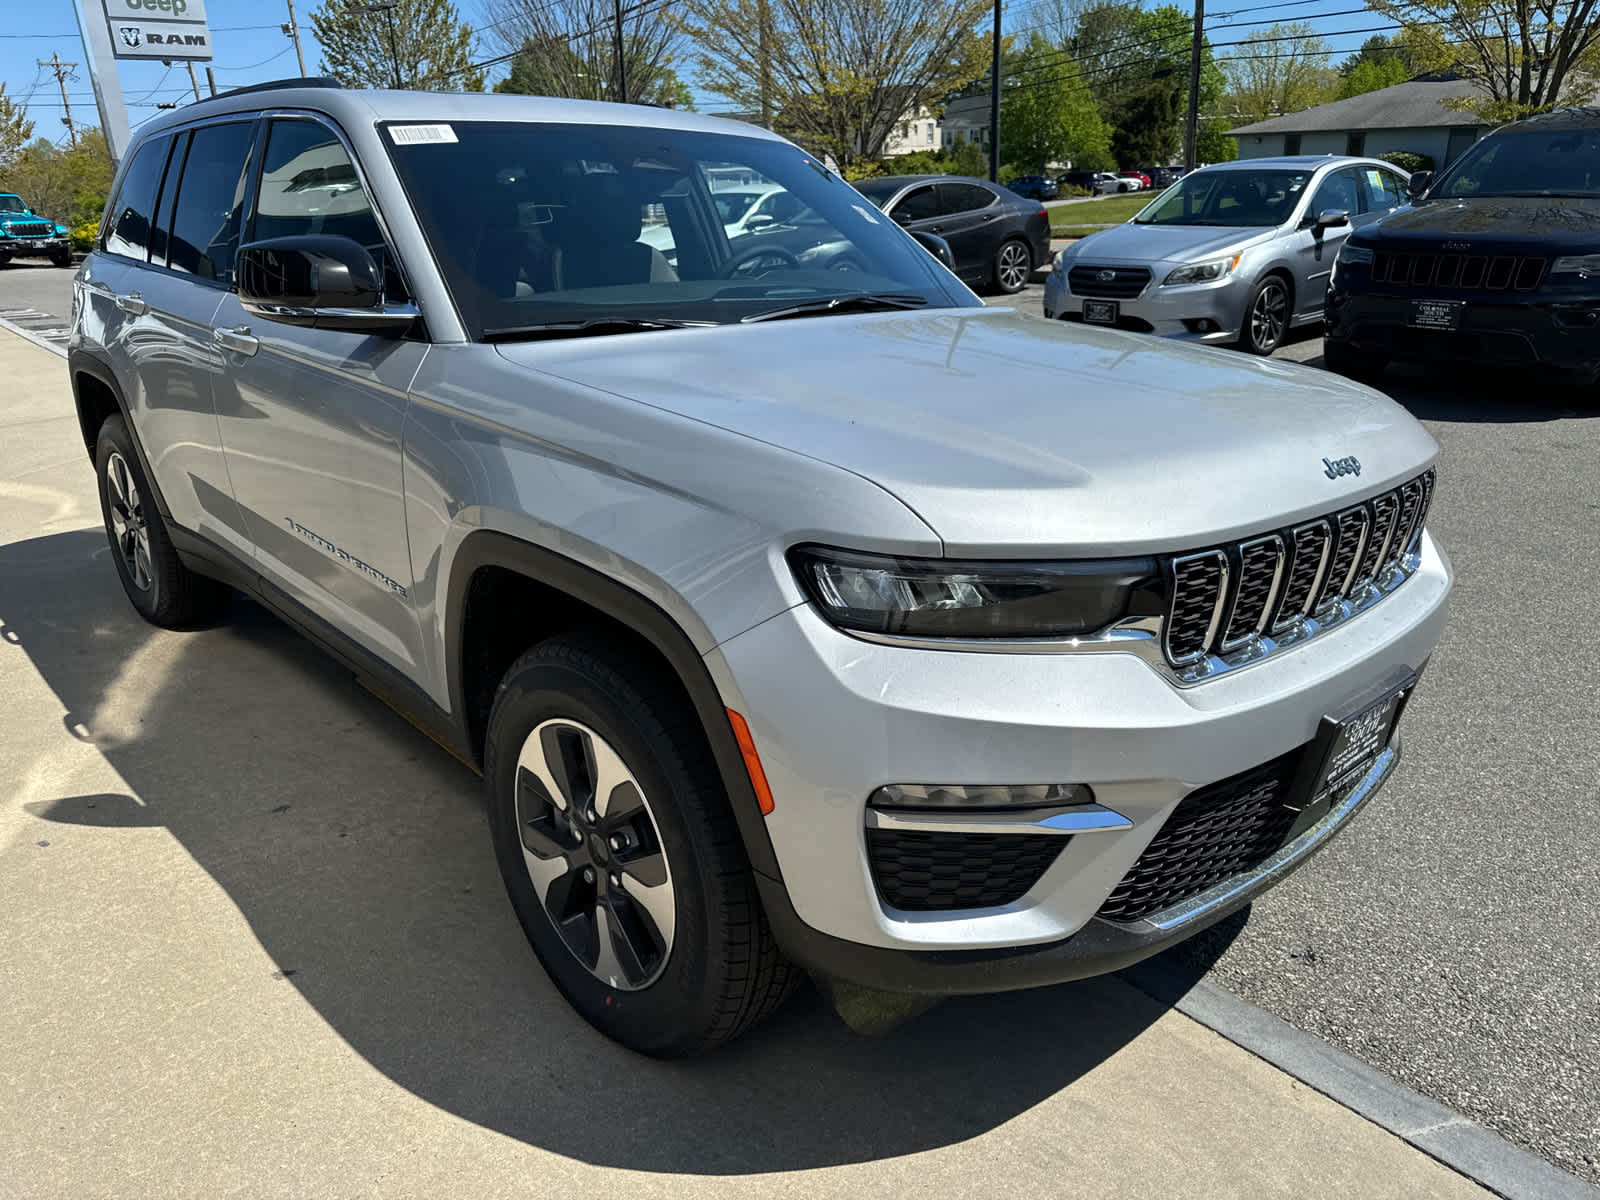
22,234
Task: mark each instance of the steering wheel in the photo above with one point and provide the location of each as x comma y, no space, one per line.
776,256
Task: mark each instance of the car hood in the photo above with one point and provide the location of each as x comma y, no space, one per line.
1554,221
1011,434
1165,243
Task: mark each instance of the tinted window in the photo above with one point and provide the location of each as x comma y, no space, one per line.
1535,162
963,197
1340,190
310,186
917,205
129,231
210,201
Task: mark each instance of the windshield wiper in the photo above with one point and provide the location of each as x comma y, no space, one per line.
598,327
863,302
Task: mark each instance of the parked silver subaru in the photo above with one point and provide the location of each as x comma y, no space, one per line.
1235,253
794,617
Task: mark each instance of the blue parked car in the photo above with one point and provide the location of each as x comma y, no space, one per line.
1035,187
23,234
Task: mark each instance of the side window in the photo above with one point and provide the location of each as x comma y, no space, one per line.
310,186
128,231
1340,190
963,197
210,202
1399,189
917,205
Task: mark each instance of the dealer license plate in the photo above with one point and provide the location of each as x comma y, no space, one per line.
1100,312
1436,314
1347,746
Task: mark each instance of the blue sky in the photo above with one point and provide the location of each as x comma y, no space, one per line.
250,49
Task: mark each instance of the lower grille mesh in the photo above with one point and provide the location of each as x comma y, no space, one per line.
1214,832
923,872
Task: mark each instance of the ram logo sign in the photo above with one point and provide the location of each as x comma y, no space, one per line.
160,29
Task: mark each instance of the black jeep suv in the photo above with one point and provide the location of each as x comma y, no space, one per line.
1495,262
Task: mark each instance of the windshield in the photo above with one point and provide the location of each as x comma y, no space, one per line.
12,204
603,225
1235,198
1554,162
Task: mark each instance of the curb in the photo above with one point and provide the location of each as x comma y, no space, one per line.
29,335
1439,1132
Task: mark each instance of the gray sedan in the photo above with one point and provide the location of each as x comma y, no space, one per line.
1235,253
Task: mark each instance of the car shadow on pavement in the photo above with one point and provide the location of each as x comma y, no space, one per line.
1479,395
358,852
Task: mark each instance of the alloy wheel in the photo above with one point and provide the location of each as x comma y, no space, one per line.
128,524
594,854
1013,267
1269,316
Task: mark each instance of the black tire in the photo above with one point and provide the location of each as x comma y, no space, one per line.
1013,266
1344,359
63,259
1266,317
158,585
722,971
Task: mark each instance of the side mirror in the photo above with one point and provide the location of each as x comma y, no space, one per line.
901,217
322,281
1421,181
936,246
1330,218
759,220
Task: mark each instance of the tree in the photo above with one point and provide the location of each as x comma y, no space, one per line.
1213,145
1278,70
1147,126
968,158
1369,76
569,48
65,185
1047,113
1379,50
15,128
418,43
1526,55
836,75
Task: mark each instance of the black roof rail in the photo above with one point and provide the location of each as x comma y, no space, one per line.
314,81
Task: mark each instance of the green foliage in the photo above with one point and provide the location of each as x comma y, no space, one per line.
1047,113
420,44
968,158
1148,130
15,128
68,186
1368,76
1407,161
1212,143
1525,57
837,75
1282,69
1379,50
569,48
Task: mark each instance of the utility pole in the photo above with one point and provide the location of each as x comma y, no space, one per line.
193,82
1191,129
63,73
764,16
622,66
387,6
994,102
293,31
211,81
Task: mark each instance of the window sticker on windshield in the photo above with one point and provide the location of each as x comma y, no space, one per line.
421,135
865,212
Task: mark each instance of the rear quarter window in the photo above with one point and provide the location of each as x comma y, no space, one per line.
128,230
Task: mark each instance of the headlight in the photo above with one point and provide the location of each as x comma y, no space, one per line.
1204,272
946,598
1579,264
1059,263
61,230
1353,255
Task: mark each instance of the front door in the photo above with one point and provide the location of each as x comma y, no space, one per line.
1339,190
312,418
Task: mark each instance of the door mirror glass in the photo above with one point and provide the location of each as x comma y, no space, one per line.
325,281
1421,181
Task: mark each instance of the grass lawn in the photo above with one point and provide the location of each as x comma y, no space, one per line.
1110,210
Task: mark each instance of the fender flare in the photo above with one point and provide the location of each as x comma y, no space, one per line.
81,363
646,619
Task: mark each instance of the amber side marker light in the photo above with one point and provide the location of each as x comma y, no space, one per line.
752,761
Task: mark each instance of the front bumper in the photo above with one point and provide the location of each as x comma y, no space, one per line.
1203,312
1539,330
835,717
19,247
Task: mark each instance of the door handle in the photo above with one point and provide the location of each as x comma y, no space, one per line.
237,339
133,303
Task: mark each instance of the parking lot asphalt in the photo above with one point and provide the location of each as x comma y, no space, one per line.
1447,938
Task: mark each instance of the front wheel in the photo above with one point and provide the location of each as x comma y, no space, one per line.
620,853
1013,266
1266,317
62,258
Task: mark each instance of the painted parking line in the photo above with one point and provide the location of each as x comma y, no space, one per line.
41,328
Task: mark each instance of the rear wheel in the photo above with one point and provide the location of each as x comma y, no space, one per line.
1013,266
1266,317
620,853
158,585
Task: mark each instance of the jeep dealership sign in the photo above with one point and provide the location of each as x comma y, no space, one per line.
171,29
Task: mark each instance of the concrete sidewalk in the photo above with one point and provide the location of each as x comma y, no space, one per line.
252,941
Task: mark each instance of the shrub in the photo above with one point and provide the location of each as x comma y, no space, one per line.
1407,161
1067,190
83,234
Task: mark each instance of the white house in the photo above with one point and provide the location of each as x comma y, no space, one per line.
915,131
965,119
1416,117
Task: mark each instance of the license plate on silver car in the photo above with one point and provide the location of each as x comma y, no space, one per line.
1100,312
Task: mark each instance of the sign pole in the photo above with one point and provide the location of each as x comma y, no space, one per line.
103,77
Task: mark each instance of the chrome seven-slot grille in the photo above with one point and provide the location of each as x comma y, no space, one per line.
1224,597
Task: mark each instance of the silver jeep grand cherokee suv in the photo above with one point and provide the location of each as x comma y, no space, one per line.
795,617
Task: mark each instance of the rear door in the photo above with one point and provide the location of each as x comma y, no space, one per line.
311,418
972,221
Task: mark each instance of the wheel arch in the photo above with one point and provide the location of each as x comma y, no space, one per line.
96,395
494,576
